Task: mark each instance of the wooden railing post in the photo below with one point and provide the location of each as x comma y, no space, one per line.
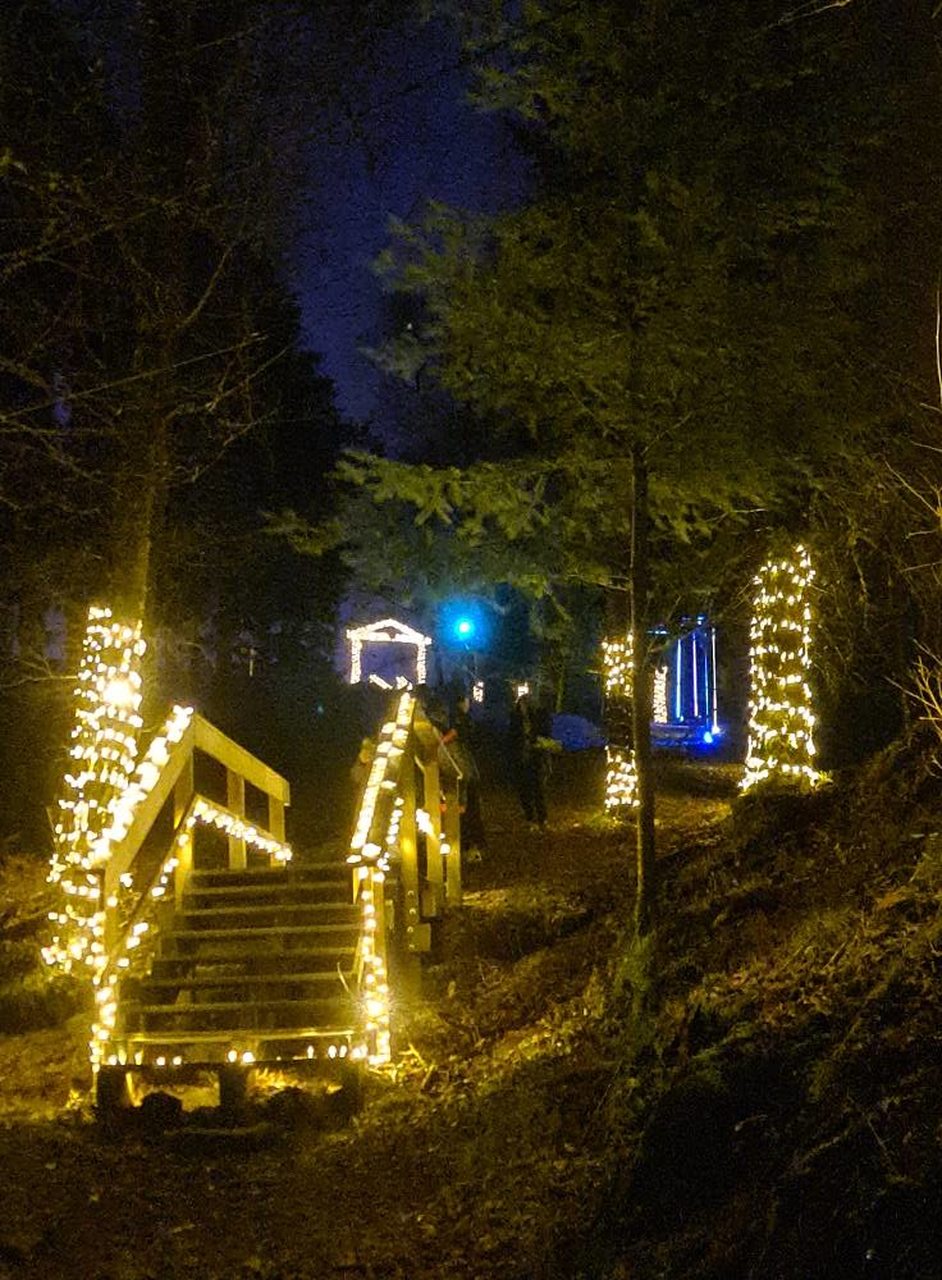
452,834
235,801
409,870
435,871
182,795
276,818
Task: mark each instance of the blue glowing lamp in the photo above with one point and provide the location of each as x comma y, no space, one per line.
464,628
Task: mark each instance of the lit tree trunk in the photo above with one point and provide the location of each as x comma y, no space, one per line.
642,692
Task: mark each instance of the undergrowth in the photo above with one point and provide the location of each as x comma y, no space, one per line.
779,1087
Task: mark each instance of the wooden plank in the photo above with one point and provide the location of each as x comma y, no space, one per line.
276,818
409,868
215,743
435,871
235,799
124,853
452,833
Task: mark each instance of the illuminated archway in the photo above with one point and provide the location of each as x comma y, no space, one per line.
387,631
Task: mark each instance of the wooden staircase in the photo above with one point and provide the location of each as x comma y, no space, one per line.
257,965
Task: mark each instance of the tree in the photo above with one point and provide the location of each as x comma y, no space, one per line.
149,357
665,327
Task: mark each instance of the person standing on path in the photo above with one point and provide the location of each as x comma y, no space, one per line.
459,740
531,743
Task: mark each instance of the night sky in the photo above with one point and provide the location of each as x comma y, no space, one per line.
414,137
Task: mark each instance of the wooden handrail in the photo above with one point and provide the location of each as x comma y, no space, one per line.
176,780
222,748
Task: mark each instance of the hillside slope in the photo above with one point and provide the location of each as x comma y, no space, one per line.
754,1094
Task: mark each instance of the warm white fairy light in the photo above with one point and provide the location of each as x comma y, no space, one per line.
781,722
371,848
621,779
232,825
101,760
477,691
617,666
375,984
387,631
659,711
392,738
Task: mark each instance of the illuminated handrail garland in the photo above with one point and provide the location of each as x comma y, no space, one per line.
781,721
374,842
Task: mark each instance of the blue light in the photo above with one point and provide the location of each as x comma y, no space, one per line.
707,737
464,628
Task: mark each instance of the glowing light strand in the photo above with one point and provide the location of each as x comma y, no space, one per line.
374,842
101,760
621,781
781,720
387,631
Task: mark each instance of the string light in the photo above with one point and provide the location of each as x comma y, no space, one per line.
781,720
104,791
387,631
659,702
232,825
621,779
101,759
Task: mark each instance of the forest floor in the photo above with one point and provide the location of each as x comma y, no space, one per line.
755,1092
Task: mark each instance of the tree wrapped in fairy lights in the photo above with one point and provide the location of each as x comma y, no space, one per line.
781,720
621,781
101,761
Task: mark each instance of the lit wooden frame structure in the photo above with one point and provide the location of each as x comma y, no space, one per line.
125,854
387,631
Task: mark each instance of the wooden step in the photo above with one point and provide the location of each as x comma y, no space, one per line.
327,978
332,891
275,915
311,960
212,1047
261,877
236,1016
267,934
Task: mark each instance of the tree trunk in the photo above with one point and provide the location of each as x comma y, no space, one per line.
642,692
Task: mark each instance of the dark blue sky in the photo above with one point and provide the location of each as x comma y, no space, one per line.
413,136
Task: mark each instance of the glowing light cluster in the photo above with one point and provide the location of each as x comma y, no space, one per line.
659,712
121,813
621,779
617,658
781,721
387,631
101,760
371,848
389,747
375,993
135,948
231,825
